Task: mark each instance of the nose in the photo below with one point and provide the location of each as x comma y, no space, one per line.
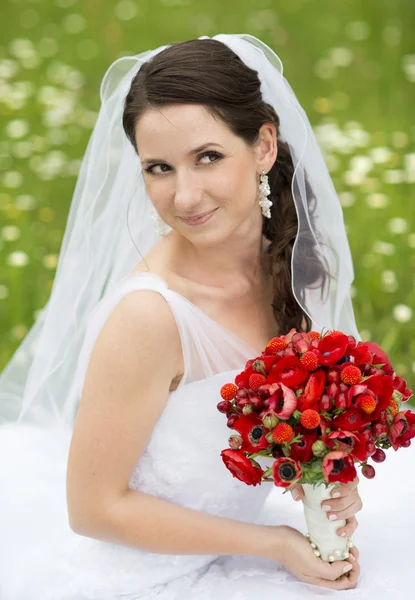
188,193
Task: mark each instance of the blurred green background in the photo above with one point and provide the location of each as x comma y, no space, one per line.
350,62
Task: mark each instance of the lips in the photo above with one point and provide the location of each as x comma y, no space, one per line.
199,219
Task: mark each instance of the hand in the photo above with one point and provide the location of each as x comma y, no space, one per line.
299,558
343,507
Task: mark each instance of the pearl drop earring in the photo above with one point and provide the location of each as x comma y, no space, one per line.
264,191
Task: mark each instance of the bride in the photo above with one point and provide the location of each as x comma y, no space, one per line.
204,222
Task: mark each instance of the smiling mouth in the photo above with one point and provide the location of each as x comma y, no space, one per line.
200,219
194,217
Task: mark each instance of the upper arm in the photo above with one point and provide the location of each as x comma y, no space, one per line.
130,370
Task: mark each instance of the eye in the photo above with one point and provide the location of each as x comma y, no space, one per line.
151,168
211,153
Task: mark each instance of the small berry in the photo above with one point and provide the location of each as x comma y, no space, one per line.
314,335
231,421
310,419
282,433
256,380
379,456
309,361
276,344
368,471
393,407
366,403
228,391
351,375
224,406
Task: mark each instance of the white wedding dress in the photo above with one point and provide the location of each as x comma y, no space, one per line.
41,558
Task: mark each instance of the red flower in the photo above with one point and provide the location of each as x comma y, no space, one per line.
361,354
379,387
288,371
402,428
348,442
338,466
313,391
241,467
252,432
351,420
301,451
380,357
283,401
332,348
400,385
285,472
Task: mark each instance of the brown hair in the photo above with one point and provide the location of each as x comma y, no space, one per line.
209,73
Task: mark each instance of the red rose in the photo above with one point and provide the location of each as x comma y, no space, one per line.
288,371
285,472
301,451
338,467
313,391
402,428
380,357
252,432
348,442
332,348
241,467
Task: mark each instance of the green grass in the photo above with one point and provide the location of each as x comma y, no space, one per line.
351,64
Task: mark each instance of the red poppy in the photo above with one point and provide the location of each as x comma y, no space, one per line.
402,428
352,419
313,391
301,451
400,385
348,442
252,432
288,371
241,467
283,401
285,472
380,357
338,467
332,348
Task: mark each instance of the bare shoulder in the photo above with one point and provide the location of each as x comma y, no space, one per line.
130,371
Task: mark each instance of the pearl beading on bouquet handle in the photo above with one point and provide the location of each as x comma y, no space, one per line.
322,533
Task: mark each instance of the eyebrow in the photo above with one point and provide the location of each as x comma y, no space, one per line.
192,152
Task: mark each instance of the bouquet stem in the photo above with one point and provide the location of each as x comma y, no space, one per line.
322,532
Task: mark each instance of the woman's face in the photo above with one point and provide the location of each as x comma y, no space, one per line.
192,164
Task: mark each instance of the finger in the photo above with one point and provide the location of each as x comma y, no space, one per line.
336,504
349,528
344,489
354,553
297,491
346,513
334,570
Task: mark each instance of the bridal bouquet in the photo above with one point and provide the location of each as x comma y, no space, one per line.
317,405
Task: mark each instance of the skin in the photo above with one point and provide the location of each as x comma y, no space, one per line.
227,252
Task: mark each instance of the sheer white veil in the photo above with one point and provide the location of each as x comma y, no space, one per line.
109,229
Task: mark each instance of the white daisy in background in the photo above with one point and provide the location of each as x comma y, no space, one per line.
397,225
17,259
402,313
377,200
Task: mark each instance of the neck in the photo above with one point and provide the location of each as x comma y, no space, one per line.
240,261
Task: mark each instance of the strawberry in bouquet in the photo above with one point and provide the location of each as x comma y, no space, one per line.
319,406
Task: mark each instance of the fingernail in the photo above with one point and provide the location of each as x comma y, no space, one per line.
295,494
326,508
336,495
332,517
343,534
347,568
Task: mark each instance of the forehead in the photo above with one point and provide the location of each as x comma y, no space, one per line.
179,127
